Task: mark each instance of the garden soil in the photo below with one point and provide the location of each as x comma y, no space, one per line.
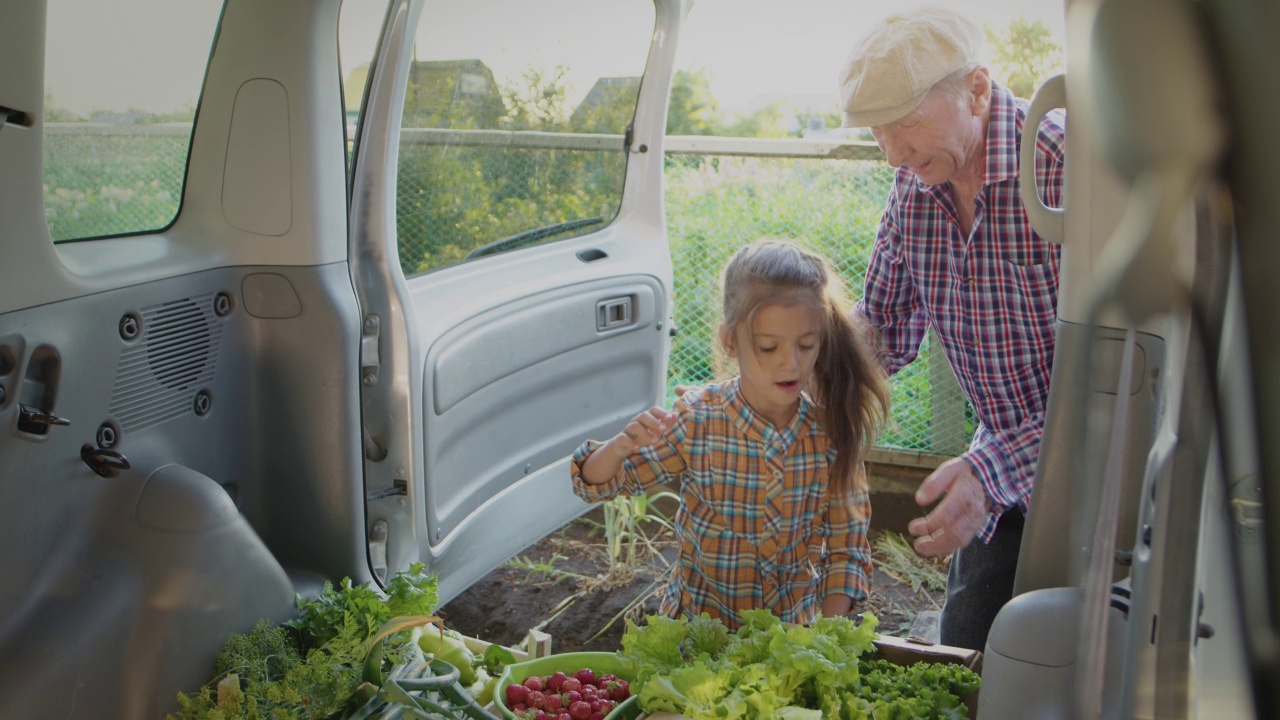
563,587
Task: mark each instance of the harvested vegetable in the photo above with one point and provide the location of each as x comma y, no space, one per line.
350,654
448,646
771,669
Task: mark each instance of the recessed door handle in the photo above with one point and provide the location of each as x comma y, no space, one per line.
35,421
613,313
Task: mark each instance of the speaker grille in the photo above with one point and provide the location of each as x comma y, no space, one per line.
158,378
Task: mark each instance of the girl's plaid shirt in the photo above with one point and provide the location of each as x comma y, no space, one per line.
756,525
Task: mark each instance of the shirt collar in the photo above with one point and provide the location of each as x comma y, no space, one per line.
1003,132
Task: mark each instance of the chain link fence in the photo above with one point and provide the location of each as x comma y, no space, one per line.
721,193
107,179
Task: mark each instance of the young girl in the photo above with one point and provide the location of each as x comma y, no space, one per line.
773,501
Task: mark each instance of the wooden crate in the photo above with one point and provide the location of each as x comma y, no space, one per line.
536,644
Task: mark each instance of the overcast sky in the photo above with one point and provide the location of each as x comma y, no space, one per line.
102,54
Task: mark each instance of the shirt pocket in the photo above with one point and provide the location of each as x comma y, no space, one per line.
1029,301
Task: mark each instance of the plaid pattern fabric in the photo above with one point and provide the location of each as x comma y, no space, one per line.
755,524
991,298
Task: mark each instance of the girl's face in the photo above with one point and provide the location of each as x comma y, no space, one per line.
776,359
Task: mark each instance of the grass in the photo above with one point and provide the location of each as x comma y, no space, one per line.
896,558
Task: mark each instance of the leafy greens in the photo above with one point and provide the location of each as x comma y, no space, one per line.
769,669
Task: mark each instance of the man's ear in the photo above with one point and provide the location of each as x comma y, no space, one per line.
726,342
979,91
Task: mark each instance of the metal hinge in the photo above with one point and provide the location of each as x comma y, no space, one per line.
9,116
378,549
369,361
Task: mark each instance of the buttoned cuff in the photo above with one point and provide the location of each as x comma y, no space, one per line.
987,464
586,490
846,578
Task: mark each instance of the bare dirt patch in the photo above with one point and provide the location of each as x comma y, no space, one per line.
561,586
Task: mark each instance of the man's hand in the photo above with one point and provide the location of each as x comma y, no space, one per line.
958,518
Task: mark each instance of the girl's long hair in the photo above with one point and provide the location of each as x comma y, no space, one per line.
848,386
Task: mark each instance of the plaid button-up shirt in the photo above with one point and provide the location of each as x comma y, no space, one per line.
755,525
991,297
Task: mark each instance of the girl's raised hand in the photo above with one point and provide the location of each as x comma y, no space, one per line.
644,430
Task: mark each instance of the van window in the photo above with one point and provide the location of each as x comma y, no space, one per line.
121,82
513,124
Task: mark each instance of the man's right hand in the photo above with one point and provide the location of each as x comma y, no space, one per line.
958,517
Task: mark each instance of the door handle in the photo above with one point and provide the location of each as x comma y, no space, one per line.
35,421
613,313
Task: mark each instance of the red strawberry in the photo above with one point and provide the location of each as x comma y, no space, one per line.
580,710
587,676
517,694
571,685
554,680
533,682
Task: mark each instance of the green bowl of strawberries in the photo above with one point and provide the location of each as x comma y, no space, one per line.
568,686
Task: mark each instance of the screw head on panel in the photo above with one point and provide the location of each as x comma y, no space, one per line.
203,403
107,436
130,327
222,304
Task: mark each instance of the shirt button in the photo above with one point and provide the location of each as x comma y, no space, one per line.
972,281
777,474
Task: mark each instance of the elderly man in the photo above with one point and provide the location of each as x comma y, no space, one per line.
954,251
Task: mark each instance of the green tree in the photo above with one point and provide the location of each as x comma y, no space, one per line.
538,100
186,113
53,113
807,118
694,109
763,123
1023,55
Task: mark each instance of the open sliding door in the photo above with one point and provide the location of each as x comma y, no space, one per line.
510,256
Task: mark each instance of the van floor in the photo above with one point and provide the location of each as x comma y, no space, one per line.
563,585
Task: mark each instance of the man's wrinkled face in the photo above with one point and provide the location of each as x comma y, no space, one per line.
938,138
